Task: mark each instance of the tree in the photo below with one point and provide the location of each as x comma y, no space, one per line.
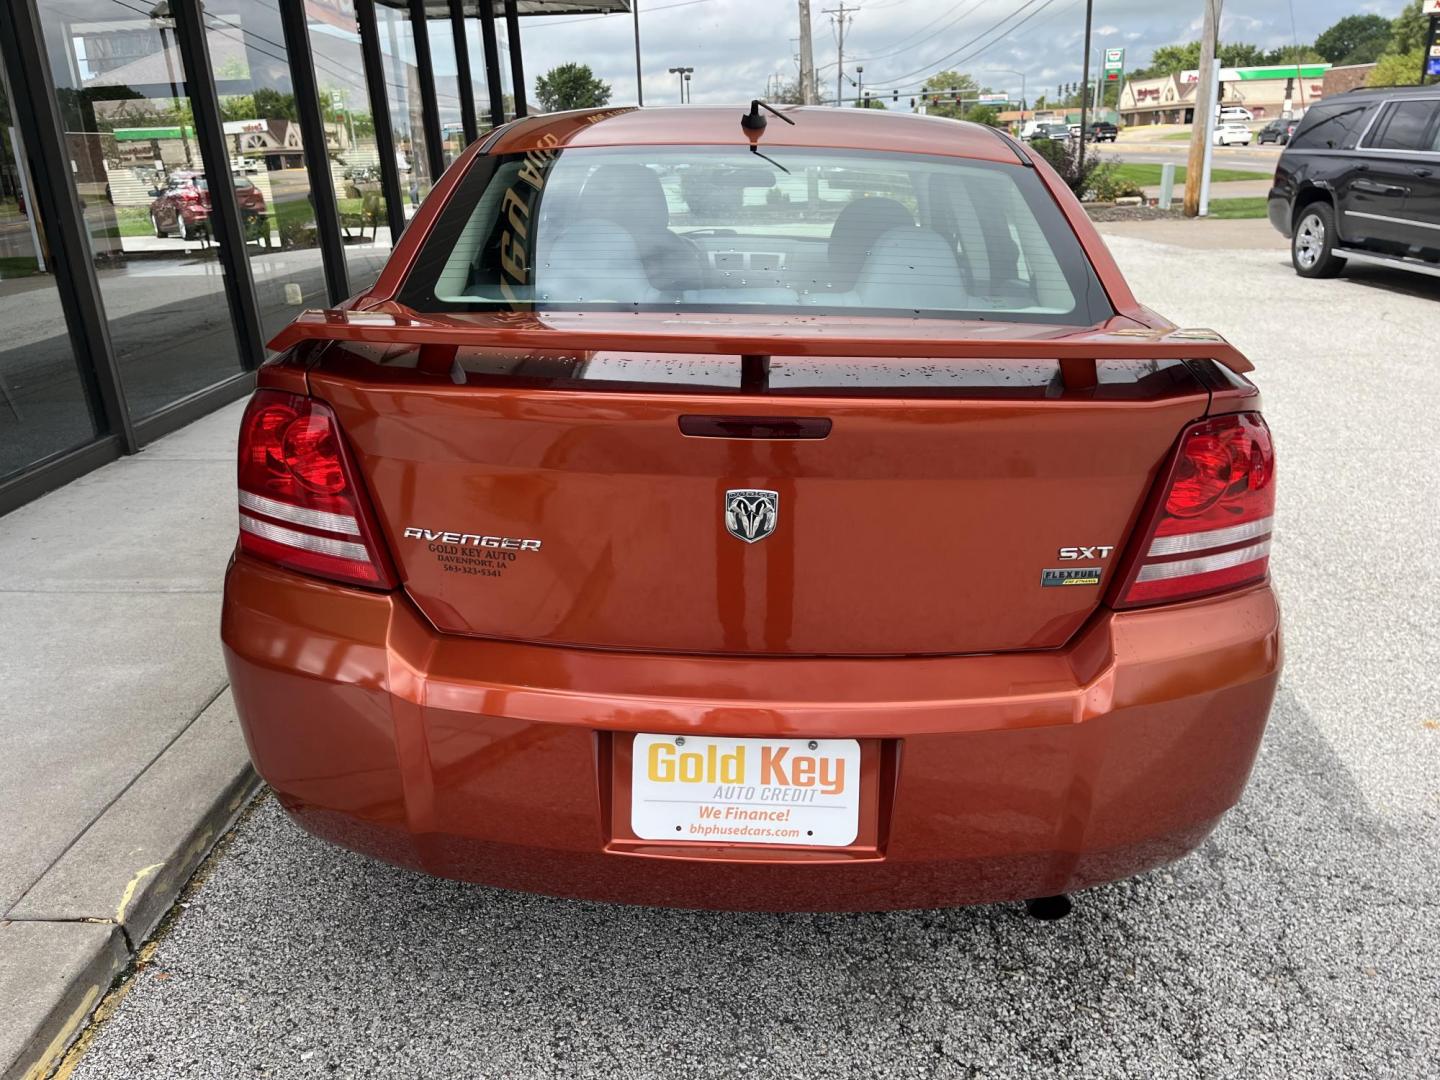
787,93
1173,59
984,114
1400,63
871,103
1355,39
1408,30
571,86
1397,69
944,81
1294,54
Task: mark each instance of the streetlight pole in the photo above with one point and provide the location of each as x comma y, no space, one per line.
639,82
687,87
860,86
1012,71
683,73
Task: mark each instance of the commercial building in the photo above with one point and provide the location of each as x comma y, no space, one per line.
1267,92
178,180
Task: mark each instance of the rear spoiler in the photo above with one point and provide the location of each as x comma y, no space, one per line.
1077,351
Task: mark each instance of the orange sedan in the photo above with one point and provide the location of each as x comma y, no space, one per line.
741,509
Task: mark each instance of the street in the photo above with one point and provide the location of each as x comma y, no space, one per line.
1259,158
1293,943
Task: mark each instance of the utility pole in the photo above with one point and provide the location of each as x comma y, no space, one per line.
807,57
1085,85
1205,102
639,83
839,14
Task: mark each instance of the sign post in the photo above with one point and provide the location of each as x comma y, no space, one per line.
1430,57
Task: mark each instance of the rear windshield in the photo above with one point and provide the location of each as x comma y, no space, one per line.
1332,127
722,229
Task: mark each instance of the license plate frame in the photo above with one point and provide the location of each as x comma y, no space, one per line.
752,790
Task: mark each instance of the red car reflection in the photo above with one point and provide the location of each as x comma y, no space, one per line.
183,205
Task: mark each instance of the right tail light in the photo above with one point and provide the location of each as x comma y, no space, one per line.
1210,530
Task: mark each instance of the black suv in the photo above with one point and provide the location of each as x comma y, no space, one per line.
1277,131
1360,181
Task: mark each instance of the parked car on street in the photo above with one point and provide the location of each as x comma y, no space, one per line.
1103,131
182,206
725,537
1360,182
1237,113
1277,131
1231,134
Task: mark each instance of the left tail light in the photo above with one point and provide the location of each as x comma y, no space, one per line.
300,504
1211,529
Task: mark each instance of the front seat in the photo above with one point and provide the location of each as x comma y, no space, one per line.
915,269
630,195
854,233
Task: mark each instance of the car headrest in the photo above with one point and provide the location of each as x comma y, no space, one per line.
857,228
629,195
911,268
593,262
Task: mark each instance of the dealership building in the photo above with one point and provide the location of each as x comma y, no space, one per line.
1268,92
178,180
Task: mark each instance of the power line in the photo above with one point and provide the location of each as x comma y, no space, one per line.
952,56
923,33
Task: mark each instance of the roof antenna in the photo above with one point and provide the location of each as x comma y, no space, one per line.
755,120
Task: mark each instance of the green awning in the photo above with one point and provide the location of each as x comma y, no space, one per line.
146,134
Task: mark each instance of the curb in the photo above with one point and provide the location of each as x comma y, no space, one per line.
81,924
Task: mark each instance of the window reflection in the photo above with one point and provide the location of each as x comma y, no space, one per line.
262,131
43,405
126,114
402,84
350,127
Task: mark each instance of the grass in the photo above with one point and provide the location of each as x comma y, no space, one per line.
1228,209
292,213
17,266
1176,136
1143,175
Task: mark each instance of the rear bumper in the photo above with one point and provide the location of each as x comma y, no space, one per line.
996,777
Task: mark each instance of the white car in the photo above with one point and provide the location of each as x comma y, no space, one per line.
1232,134
1236,112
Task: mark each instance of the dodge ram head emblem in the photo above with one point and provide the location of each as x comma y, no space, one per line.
751,513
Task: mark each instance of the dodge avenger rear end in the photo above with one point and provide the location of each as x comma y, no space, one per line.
801,515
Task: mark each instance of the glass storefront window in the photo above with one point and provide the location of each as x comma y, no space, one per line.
120,84
402,82
475,41
44,409
355,159
447,87
262,133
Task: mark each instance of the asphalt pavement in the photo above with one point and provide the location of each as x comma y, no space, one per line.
1299,941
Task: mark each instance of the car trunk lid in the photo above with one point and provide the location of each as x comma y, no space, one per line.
858,504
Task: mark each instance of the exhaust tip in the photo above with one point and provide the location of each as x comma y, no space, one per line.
1048,908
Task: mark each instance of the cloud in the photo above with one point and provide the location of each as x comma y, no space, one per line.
735,45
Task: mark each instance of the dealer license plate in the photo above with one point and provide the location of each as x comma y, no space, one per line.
745,791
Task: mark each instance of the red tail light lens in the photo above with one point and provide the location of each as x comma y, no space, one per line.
300,506
1211,530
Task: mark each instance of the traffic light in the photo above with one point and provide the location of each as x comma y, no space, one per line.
897,95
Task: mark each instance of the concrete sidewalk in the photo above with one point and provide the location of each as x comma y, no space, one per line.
123,760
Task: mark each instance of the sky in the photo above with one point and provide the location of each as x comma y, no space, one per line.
735,45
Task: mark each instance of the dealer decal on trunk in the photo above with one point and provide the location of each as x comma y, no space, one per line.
476,554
